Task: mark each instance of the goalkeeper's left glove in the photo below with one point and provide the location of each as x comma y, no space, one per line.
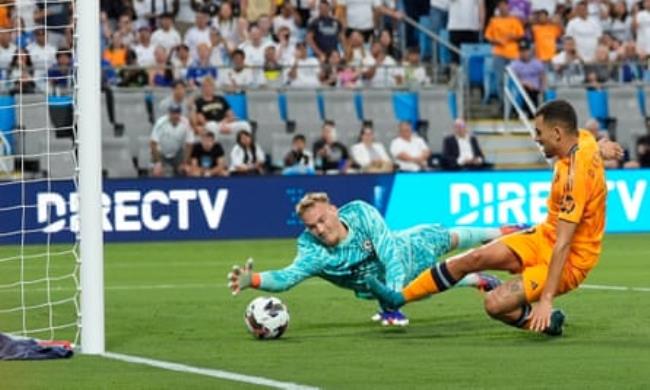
239,279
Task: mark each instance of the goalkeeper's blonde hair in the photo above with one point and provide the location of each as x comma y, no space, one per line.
309,200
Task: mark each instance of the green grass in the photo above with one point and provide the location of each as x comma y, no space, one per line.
331,343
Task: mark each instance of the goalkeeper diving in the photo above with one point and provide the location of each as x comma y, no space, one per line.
345,246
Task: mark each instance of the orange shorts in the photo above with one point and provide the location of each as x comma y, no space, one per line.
535,250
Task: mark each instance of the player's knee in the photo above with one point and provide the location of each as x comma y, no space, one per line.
493,305
474,261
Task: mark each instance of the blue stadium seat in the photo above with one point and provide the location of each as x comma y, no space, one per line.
474,55
238,104
597,99
405,104
8,118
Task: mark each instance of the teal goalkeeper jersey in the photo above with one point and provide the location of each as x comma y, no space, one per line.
370,248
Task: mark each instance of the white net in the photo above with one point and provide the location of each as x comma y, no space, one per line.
39,262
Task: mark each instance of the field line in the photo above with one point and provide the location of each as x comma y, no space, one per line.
614,288
220,374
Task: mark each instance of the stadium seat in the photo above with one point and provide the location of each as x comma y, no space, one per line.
131,109
624,108
144,154
435,110
578,98
116,158
33,116
597,100
302,108
263,108
378,108
280,147
59,162
475,55
340,107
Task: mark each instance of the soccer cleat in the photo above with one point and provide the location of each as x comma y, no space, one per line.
508,229
557,321
487,282
390,318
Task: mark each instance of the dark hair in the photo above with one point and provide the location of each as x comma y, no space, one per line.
208,134
559,112
238,52
363,129
22,53
299,137
253,155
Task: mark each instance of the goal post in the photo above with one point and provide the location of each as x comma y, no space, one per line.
90,176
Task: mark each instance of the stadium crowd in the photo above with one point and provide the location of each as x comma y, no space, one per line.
198,48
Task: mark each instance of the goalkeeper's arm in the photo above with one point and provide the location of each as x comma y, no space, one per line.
274,281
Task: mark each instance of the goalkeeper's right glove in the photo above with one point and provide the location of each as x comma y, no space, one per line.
239,279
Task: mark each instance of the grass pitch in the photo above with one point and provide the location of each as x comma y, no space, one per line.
170,302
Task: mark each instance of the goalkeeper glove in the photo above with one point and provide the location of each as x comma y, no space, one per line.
239,279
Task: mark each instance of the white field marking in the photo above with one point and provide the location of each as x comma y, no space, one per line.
231,376
614,288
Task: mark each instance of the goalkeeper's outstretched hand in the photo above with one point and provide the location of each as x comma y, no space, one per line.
240,278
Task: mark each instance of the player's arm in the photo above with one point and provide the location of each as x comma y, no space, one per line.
541,314
383,242
303,267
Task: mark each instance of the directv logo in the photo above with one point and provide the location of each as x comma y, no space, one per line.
131,211
508,202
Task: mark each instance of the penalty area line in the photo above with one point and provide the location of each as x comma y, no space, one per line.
220,374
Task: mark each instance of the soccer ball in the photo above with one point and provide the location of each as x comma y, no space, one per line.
266,317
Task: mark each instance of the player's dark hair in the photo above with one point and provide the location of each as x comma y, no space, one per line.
561,113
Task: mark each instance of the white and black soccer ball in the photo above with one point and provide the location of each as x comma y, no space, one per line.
266,317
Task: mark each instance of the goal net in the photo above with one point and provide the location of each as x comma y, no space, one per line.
39,225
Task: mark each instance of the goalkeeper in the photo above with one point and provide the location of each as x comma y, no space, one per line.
346,245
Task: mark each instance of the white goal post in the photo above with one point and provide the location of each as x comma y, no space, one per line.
90,177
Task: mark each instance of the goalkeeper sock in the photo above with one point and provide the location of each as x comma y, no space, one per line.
432,281
470,237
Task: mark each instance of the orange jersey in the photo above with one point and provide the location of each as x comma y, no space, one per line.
504,33
578,195
545,36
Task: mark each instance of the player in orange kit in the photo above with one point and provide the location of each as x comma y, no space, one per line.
553,257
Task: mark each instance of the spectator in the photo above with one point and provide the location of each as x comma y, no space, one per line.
231,28
207,158
61,74
324,33
161,74
642,153
334,73
272,68
201,67
148,11
355,49
414,72
620,22
545,35
252,10
181,61
520,9
246,157
178,97
567,64
21,73
585,32
126,30
56,16
254,49
330,155
504,32
409,151
171,142
286,48
166,35
7,49
369,155
287,17
238,77
530,72
461,149
546,5
358,15
386,41
219,53
304,70
132,75
601,70
43,56
115,53
144,50
466,21
641,26
631,67
198,34
298,161
381,70
212,112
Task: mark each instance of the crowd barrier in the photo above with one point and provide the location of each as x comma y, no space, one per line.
263,207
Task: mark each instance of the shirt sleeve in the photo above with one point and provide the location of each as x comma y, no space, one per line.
304,266
384,245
